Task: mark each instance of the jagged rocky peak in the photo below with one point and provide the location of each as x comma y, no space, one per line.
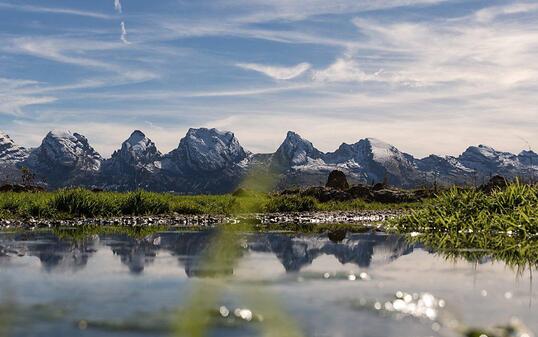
380,151
138,149
68,149
209,149
528,157
296,150
10,152
487,159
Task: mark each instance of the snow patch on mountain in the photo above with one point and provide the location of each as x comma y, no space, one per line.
296,151
208,150
66,149
11,153
139,151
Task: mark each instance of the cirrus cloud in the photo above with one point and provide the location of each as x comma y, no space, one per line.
277,72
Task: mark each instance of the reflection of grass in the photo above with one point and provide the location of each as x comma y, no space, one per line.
78,202
81,233
307,228
473,225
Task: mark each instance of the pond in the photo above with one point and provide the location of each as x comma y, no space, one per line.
358,284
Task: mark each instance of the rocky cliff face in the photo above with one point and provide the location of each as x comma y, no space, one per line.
133,166
213,161
63,159
206,150
207,161
295,151
486,162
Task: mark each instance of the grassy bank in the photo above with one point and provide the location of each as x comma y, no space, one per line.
512,211
73,203
473,225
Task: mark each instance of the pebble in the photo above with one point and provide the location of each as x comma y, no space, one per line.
197,221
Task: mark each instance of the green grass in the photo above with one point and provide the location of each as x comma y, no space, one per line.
472,225
510,210
78,203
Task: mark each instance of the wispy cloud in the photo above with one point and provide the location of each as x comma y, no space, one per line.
343,70
12,101
491,13
123,36
54,10
277,72
117,6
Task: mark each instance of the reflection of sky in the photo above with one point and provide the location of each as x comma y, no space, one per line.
387,69
106,288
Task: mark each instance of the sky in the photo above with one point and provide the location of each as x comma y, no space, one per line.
428,76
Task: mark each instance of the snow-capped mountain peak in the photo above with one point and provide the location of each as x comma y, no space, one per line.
208,150
295,151
137,151
140,148
487,160
68,149
383,152
10,152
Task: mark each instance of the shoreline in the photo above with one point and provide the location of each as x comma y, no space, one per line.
363,217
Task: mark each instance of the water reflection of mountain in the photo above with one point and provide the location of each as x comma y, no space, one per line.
53,252
293,251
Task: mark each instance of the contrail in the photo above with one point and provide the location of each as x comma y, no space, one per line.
117,6
124,33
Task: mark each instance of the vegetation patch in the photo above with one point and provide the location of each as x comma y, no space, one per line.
512,210
83,203
501,225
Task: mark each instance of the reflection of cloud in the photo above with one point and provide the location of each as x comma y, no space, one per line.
276,72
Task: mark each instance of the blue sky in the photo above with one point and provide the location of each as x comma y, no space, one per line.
425,75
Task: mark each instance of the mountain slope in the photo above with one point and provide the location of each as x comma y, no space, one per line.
206,161
213,161
134,165
64,158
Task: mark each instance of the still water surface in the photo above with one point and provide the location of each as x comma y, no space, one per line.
114,285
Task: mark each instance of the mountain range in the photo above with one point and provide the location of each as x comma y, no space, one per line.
213,161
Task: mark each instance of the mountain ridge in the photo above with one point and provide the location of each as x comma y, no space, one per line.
213,161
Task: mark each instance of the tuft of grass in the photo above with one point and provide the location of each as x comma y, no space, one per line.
290,203
513,209
144,203
83,203
473,225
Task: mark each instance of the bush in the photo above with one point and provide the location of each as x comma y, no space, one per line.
290,203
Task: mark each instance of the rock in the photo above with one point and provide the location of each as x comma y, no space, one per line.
337,179
337,235
393,196
361,191
20,188
496,182
379,186
324,194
